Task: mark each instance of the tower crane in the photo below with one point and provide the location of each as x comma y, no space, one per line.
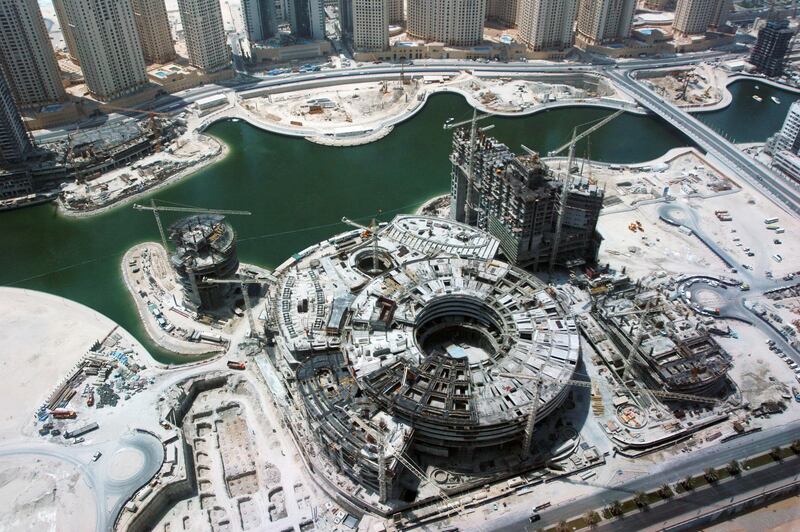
567,182
242,281
370,231
159,208
473,140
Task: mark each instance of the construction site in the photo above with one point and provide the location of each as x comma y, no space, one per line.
422,375
84,155
185,155
192,294
401,375
536,346
347,111
700,85
412,352
426,376
540,218
339,106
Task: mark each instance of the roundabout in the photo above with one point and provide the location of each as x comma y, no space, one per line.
124,464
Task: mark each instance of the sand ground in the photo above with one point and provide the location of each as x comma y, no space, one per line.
63,332
44,494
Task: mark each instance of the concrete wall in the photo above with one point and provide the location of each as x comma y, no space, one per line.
164,497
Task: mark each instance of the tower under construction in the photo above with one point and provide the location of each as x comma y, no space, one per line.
205,248
516,199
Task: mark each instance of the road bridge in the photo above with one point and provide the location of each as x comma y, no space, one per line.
748,170
175,103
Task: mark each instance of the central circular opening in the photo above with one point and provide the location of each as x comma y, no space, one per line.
373,264
460,327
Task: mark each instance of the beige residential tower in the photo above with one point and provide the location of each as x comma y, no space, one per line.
26,55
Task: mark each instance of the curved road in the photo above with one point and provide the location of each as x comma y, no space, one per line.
732,300
103,486
712,142
175,103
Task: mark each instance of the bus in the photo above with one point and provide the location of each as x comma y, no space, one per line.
768,221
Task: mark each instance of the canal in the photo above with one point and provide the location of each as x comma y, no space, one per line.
752,121
297,192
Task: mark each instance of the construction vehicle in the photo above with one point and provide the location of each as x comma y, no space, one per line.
156,209
236,364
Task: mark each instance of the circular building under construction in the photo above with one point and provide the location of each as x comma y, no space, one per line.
445,354
205,248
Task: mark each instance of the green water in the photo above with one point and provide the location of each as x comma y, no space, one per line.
751,121
297,192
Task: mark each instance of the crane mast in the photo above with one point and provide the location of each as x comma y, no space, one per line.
567,179
380,439
156,209
473,141
248,305
372,230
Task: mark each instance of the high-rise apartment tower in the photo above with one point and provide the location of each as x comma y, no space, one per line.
546,24
66,29
26,55
502,11
769,52
370,25
307,18
154,33
108,46
694,17
397,11
206,42
603,21
452,22
15,143
260,19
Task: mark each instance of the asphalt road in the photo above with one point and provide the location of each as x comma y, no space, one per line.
109,494
732,299
702,134
746,168
175,103
692,503
676,469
